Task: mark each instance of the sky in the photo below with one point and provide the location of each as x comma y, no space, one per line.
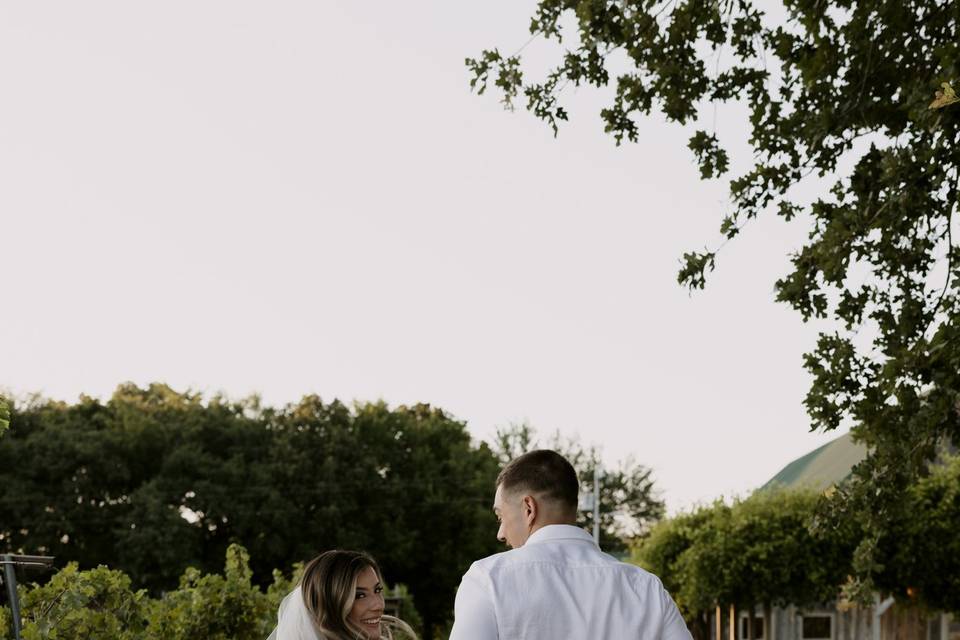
304,197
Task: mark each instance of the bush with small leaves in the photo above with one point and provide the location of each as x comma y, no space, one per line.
97,603
213,607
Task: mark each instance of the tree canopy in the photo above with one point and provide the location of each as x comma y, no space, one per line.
772,549
154,481
920,553
756,551
839,93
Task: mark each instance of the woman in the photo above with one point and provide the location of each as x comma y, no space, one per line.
340,597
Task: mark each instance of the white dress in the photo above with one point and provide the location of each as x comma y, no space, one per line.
293,619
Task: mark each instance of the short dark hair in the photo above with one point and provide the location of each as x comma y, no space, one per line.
544,472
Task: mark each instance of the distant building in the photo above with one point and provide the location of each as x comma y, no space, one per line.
820,469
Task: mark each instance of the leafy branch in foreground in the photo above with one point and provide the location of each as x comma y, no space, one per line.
837,85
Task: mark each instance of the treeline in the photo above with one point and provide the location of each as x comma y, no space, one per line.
153,481
787,547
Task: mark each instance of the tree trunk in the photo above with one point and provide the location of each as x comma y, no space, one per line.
732,626
768,633
751,631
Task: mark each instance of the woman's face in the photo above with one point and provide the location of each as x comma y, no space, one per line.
368,603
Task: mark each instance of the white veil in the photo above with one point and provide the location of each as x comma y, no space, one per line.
293,620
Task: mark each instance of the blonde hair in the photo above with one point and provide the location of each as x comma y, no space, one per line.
329,586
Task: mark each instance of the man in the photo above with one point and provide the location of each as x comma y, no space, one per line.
555,583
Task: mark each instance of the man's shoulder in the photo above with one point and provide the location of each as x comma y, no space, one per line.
546,553
488,565
641,578
637,575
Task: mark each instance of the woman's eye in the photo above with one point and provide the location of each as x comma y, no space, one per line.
360,595
378,590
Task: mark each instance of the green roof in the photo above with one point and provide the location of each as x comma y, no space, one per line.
822,467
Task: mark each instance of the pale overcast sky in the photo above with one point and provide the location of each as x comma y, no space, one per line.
297,197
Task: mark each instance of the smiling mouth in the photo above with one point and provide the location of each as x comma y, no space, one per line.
371,621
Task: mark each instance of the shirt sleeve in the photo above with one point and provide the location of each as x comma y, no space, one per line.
673,627
474,615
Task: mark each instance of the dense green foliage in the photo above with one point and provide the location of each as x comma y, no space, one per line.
920,554
841,90
99,604
154,481
227,607
771,549
757,551
90,604
761,551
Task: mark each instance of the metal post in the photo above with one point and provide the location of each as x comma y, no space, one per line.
10,562
10,578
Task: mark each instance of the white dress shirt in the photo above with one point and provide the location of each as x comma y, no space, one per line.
560,585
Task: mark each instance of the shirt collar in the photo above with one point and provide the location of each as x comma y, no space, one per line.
552,532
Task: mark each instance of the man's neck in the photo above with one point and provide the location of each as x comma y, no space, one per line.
540,525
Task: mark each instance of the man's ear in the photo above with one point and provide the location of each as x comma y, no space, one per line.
530,509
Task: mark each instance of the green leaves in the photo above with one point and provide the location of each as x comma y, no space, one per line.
100,603
760,550
84,604
696,265
542,100
226,607
712,159
508,78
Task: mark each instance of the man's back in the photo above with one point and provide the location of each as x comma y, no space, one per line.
560,585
